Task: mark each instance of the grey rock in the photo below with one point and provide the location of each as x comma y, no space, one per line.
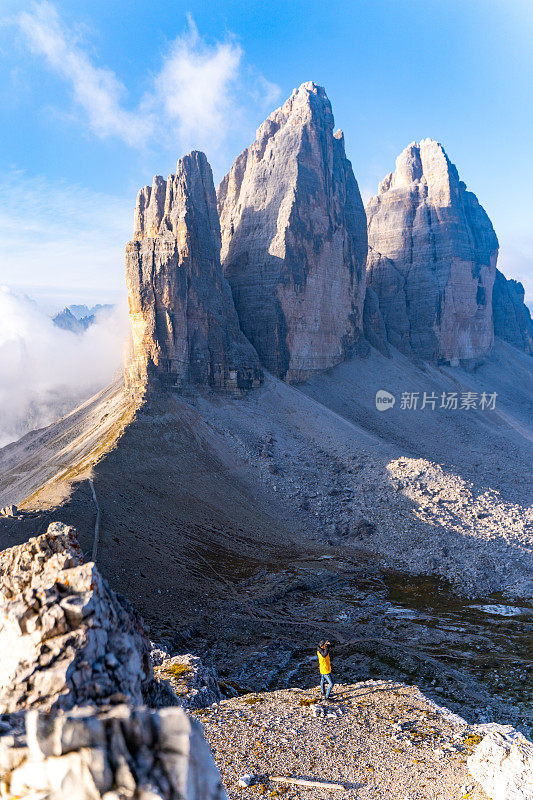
373,323
183,320
193,684
294,239
432,259
59,622
512,318
128,752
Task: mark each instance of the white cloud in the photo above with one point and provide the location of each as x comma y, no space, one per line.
194,87
265,93
46,371
193,100
56,234
96,89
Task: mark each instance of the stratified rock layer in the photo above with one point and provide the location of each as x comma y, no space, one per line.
373,323
183,320
432,258
294,239
65,637
512,318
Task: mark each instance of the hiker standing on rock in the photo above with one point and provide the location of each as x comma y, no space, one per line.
324,665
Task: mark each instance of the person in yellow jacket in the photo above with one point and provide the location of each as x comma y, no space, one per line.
324,665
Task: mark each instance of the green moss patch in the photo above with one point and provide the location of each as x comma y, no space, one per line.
252,699
177,670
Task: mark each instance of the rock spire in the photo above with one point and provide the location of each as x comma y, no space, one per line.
294,239
512,318
183,320
432,258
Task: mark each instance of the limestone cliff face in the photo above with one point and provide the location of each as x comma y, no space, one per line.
294,239
432,258
374,324
512,318
183,320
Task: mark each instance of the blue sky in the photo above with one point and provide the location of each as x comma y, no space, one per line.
96,97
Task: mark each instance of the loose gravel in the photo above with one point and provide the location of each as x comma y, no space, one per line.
380,740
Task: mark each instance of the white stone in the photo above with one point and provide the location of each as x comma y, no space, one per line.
503,764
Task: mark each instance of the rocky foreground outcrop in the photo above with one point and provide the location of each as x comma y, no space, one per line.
512,318
65,637
113,753
432,258
503,765
183,320
75,670
294,239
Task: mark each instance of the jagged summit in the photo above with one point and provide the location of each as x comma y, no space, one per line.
294,239
432,258
183,321
425,161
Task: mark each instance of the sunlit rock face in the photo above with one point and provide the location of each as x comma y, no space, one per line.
294,239
184,325
66,638
432,258
512,318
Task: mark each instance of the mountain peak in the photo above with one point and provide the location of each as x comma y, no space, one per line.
432,258
294,239
183,320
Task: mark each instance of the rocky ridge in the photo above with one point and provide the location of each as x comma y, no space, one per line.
374,740
183,321
75,672
294,239
432,258
67,638
112,750
77,319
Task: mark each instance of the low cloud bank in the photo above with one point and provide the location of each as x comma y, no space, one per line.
45,371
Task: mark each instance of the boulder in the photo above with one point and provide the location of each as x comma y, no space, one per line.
113,753
432,255
9,511
195,685
294,239
183,321
503,764
66,638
